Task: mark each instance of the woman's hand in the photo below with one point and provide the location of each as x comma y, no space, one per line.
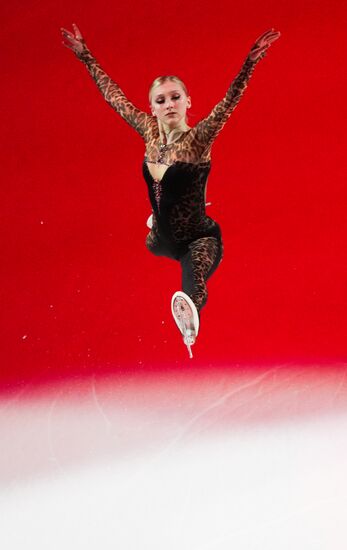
263,43
73,40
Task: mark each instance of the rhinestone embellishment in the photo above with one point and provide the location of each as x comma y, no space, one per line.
162,151
157,192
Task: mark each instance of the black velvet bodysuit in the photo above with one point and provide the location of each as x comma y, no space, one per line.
178,199
178,203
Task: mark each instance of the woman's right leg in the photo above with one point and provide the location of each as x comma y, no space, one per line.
198,264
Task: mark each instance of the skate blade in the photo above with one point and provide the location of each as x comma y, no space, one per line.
189,351
187,332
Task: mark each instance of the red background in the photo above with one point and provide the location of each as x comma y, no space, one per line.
80,291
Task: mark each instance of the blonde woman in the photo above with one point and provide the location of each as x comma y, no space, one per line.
176,166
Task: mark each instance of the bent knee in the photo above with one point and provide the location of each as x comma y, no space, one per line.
150,241
153,244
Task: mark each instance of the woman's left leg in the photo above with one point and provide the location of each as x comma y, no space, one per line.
198,264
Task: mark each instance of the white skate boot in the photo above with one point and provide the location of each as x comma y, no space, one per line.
186,317
149,222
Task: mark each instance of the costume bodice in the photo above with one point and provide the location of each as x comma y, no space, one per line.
178,201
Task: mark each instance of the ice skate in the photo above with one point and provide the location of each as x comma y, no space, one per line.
186,318
149,222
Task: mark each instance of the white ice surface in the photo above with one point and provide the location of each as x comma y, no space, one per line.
221,462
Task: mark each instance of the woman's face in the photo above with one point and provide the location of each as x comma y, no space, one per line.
170,103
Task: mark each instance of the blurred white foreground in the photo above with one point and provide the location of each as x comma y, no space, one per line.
242,459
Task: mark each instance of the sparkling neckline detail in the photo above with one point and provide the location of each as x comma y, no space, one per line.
165,147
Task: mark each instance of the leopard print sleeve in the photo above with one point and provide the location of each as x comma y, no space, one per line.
139,120
208,129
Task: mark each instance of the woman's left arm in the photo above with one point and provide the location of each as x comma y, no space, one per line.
208,128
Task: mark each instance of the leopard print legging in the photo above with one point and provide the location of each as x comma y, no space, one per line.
199,260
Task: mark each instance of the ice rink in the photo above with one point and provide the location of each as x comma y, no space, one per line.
213,459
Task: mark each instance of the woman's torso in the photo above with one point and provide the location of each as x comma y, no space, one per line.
177,188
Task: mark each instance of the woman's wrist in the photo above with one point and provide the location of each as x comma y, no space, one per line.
85,55
252,61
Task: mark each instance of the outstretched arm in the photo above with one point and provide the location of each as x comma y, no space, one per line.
112,93
208,128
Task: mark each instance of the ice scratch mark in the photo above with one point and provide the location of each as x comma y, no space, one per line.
53,457
99,407
260,401
214,405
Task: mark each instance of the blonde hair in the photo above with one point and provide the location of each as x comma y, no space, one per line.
162,79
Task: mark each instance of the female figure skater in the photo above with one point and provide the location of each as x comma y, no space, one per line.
175,168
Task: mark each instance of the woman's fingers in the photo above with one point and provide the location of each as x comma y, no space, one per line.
270,32
68,36
263,43
268,36
76,36
264,35
73,41
64,31
77,32
272,37
68,46
68,33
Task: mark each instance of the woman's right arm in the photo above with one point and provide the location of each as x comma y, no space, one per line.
112,93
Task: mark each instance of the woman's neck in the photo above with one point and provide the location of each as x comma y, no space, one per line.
171,134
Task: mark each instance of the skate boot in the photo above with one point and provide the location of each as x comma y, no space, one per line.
186,318
149,222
